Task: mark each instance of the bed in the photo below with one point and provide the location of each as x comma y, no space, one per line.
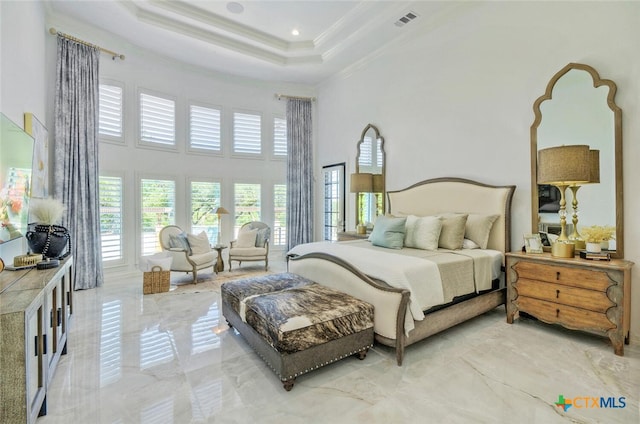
418,291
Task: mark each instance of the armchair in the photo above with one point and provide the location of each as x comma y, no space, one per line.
186,257
252,244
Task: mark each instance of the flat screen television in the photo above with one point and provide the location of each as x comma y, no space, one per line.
16,155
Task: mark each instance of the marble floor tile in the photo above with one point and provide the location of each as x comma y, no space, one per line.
171,358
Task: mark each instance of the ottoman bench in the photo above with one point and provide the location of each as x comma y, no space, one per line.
297,325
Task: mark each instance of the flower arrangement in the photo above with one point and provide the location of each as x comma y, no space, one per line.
597,233
47,211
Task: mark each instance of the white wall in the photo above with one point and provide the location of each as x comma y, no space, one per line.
456,98
22,75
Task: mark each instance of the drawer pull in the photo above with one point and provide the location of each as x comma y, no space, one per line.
557,313
557,275
557,294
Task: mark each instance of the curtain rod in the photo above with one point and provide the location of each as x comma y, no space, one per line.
284,96
113,54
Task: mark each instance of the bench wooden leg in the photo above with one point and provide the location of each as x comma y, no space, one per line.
288,384
362,354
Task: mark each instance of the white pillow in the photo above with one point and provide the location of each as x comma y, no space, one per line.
469,244
247,238
199,244
422,232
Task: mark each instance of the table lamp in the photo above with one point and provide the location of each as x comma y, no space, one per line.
361,183
564,166
594,178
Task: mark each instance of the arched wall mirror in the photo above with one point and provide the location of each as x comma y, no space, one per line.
578,108
370,199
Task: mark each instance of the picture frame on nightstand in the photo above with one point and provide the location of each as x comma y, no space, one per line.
533,243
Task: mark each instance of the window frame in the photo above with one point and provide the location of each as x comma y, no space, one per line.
188,191
340,168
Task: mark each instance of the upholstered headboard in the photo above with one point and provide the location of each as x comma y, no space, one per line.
442,195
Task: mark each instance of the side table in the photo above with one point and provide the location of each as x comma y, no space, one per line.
219,266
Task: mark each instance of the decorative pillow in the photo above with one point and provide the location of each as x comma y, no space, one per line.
388,232
422,232
469,244
478,228
452,233
180,241
247,238
262,236
199,244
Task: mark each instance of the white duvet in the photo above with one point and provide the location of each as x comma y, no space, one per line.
414,271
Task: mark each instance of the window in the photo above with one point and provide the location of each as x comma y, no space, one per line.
205,198
157,120
110,111
111,218
247,133
279,137
334,199
204,128
279,231
246,204
158,210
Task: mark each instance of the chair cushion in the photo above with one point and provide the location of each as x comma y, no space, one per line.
199,244
262,236
246,238
248,251
203,258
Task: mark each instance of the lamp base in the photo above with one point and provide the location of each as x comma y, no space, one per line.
361,229
563,250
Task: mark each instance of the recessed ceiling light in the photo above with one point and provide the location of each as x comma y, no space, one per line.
235,7
295,32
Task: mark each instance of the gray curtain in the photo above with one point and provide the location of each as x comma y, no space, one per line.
299,173
76,156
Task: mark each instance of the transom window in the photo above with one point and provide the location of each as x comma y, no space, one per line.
157,120
110,111
204,128
247,133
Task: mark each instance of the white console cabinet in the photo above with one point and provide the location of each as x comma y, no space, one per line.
35,309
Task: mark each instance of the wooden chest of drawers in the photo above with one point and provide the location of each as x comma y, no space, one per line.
578,294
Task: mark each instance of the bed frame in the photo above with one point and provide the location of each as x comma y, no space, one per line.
429,197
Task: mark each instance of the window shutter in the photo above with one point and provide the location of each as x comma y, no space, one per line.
246,204
279,137
204,128
157,120
247,135
205,198
110,111
279,233
111,218
158,210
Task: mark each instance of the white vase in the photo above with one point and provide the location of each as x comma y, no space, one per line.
594,247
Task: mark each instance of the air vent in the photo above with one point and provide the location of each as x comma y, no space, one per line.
406,19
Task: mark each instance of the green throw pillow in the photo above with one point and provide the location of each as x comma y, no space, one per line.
388,232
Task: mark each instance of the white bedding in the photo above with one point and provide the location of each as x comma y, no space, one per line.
409,269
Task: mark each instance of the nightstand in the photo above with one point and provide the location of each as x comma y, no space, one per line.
579,294
351,235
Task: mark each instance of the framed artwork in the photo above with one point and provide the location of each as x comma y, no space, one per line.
40,165
533,243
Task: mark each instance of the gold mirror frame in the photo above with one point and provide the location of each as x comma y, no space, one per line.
617,115
382,177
